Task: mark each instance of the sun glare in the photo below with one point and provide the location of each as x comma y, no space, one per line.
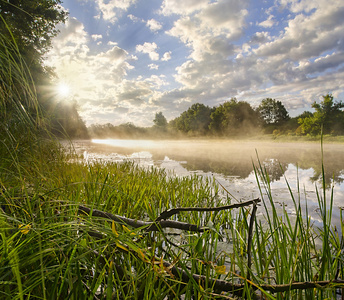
63,90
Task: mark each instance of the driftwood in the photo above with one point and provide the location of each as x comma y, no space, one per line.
151,226
161,221
226,286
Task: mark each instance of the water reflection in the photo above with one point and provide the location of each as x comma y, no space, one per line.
236,158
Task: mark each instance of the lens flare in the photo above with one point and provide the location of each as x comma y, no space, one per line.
63,90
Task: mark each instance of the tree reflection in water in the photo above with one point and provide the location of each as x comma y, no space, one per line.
235,158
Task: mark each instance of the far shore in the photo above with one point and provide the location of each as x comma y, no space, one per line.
328,139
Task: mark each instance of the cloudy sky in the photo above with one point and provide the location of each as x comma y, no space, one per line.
125,60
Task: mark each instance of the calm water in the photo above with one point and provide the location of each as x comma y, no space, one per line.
231,163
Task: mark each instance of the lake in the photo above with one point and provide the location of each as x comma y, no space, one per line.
231,164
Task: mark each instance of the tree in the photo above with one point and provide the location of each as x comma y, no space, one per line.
32,24
26,29
195,120
328,116
234,117
273,112
160,121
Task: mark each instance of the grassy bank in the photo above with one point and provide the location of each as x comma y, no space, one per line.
50,250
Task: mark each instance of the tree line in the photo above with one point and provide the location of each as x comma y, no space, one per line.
233,118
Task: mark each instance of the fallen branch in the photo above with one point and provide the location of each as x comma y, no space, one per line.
161,222
138,223
226,286
169,213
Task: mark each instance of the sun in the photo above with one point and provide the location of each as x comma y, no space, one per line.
63,90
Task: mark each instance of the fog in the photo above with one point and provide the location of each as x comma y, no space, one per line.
234,158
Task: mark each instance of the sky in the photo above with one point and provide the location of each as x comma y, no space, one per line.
125,60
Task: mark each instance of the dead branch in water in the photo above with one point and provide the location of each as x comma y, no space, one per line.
151,226
161,221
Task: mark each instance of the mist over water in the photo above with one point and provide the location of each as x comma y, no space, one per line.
231,163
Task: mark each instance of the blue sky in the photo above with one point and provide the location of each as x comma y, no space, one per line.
125,60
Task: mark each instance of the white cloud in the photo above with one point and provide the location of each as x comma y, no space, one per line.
153,25
211,30
271,68
116,54
133,18
133,91
93,78
182,7
297,6
72,32
308,36
157,81
153,67
96,37
268,23
296,60
322,63
110,9
225,17
150,49
260,37
166,56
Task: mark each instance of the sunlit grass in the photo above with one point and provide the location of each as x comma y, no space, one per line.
47,247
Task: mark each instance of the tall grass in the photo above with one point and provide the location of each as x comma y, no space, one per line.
50,251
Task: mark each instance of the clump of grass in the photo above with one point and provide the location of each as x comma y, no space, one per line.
287,246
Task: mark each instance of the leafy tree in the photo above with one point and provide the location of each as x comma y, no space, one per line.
32,24
234,117
160,121
195,120
310,125
273,112
328,116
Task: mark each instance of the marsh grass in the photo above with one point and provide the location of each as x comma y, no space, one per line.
47,250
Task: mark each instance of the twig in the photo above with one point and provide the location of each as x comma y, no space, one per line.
169,213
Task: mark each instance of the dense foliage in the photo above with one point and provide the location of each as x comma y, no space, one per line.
328,117
160,121
234,117
194,121
27,28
